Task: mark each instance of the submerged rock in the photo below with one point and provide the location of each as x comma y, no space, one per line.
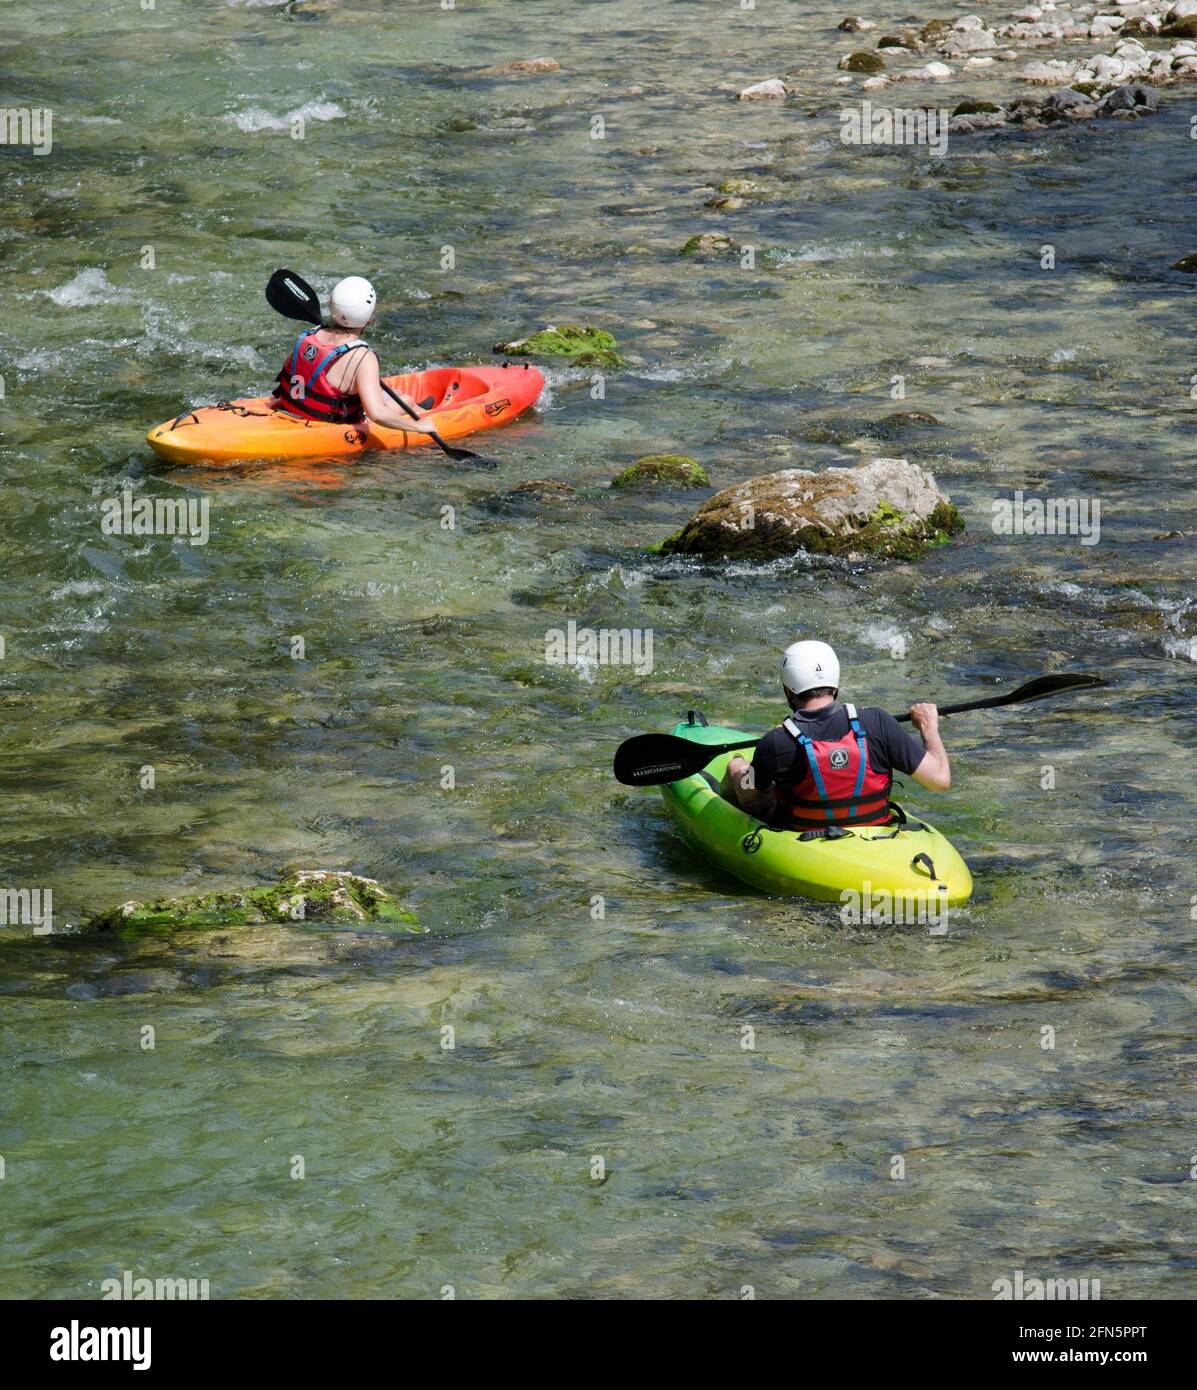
588,347
1186,263
855,25
887,508
663,470
975,108
312,895
900,421
862,62
524,65
709,244
542,490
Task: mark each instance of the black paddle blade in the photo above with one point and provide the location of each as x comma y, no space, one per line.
650,760
288,294
465,455
1042,686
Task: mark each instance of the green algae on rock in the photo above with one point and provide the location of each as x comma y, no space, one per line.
709,244
862,62
313,895
588,347
887,508
662,470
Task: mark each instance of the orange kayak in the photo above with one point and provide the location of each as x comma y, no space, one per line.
460,399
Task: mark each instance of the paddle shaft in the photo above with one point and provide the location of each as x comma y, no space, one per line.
650,759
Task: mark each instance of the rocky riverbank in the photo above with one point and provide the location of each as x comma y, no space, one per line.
1100,61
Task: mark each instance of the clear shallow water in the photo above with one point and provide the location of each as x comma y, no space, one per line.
576,1037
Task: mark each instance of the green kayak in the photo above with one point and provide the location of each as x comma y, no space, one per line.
908,860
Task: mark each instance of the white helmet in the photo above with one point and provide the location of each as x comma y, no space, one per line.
808,665
352,302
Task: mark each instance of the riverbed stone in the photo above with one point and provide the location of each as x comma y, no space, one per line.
662,470
519,68
1134,96
773,89
855,25
585,346
862,62
709,244
887,508
933,72
542,490
312,895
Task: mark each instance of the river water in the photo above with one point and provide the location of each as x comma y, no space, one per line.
619,1031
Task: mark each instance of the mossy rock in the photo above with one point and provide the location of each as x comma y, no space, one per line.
934,29
314,895
1087,89
976,108
1186,263
740,188
886,509
709,244
1185,28
895,41
899,420
863,62
587,347
662,470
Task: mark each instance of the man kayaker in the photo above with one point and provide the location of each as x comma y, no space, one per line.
830,764
332,372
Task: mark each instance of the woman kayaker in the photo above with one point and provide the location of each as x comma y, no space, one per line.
830,764
332,373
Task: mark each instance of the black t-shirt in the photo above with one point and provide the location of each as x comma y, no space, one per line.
779,756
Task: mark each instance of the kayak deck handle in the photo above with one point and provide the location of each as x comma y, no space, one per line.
924,858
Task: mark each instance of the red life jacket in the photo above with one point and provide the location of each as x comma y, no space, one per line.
303,387
848,791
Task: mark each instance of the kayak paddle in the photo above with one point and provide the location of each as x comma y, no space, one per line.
649,760
1038,689
294,298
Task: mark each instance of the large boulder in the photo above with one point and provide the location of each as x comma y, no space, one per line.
312,895
888,508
